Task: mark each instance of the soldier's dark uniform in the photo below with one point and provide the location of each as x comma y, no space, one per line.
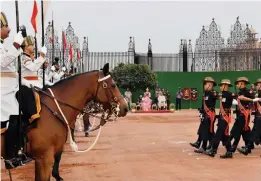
206,128
222,133
256,131
241,125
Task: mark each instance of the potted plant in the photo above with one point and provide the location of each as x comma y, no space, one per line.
172,107
133,107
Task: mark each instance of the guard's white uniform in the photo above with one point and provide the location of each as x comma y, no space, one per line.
47,77
29,70
9,82
57,76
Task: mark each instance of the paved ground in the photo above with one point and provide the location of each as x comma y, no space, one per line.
149,147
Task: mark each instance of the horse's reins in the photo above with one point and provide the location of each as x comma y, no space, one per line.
72,143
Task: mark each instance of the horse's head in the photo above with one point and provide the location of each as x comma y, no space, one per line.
109,95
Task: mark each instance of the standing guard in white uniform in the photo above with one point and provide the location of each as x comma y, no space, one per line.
30,66
57,74
9,86
49,76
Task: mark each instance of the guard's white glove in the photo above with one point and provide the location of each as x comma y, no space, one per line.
53,68
200,116
18,38
234,102
256,99
64,69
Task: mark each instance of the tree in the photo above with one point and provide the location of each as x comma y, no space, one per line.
134,76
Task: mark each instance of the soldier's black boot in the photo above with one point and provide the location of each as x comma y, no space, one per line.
228,154
211,152
244,151
86,134
195,145
209,146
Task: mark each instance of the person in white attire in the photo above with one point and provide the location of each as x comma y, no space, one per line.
57,73
30,67
9,87
161,101
48,77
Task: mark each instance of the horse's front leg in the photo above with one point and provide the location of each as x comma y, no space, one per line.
43,166
55,172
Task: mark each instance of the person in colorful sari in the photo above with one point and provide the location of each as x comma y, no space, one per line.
146,102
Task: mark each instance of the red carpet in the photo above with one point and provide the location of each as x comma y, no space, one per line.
154,111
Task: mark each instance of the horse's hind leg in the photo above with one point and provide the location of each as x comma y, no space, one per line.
55,172
43,166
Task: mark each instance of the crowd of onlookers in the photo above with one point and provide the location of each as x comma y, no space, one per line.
159,101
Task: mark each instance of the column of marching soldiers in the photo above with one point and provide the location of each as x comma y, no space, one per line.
31,75
248,104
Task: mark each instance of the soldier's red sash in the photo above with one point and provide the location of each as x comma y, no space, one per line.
211,115
224,114
246,113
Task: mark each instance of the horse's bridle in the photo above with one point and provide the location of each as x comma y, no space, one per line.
113,101
111,98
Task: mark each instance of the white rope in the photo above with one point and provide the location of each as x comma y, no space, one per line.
73,145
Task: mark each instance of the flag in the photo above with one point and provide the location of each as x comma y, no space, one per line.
78,54
64,40
34,16
70,52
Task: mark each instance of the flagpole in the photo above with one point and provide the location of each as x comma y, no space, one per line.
35,45
43,39
19,84
52,38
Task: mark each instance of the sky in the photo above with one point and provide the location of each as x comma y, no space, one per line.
108,25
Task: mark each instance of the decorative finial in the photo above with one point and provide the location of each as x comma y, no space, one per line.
49,23
69,23
149,40
130,39
247,25
213,19
189,41
84,38
181,41
203,27
237,18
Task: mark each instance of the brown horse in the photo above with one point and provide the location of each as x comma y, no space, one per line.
49,137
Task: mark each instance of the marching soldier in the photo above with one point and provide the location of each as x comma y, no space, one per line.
206,128
30,66
222,133
255,133
9,86
241,125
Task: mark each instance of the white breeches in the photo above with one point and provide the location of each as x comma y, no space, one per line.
37,83
9,104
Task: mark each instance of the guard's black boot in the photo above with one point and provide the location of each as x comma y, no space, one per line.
86,134
244,151
55,171
72,132
200,150
12,137
195,145
228,154
211,152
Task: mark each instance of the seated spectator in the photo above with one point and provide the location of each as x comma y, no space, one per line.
138,104
148,92
146,102
162,101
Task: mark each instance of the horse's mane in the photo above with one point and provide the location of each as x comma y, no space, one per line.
70,78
